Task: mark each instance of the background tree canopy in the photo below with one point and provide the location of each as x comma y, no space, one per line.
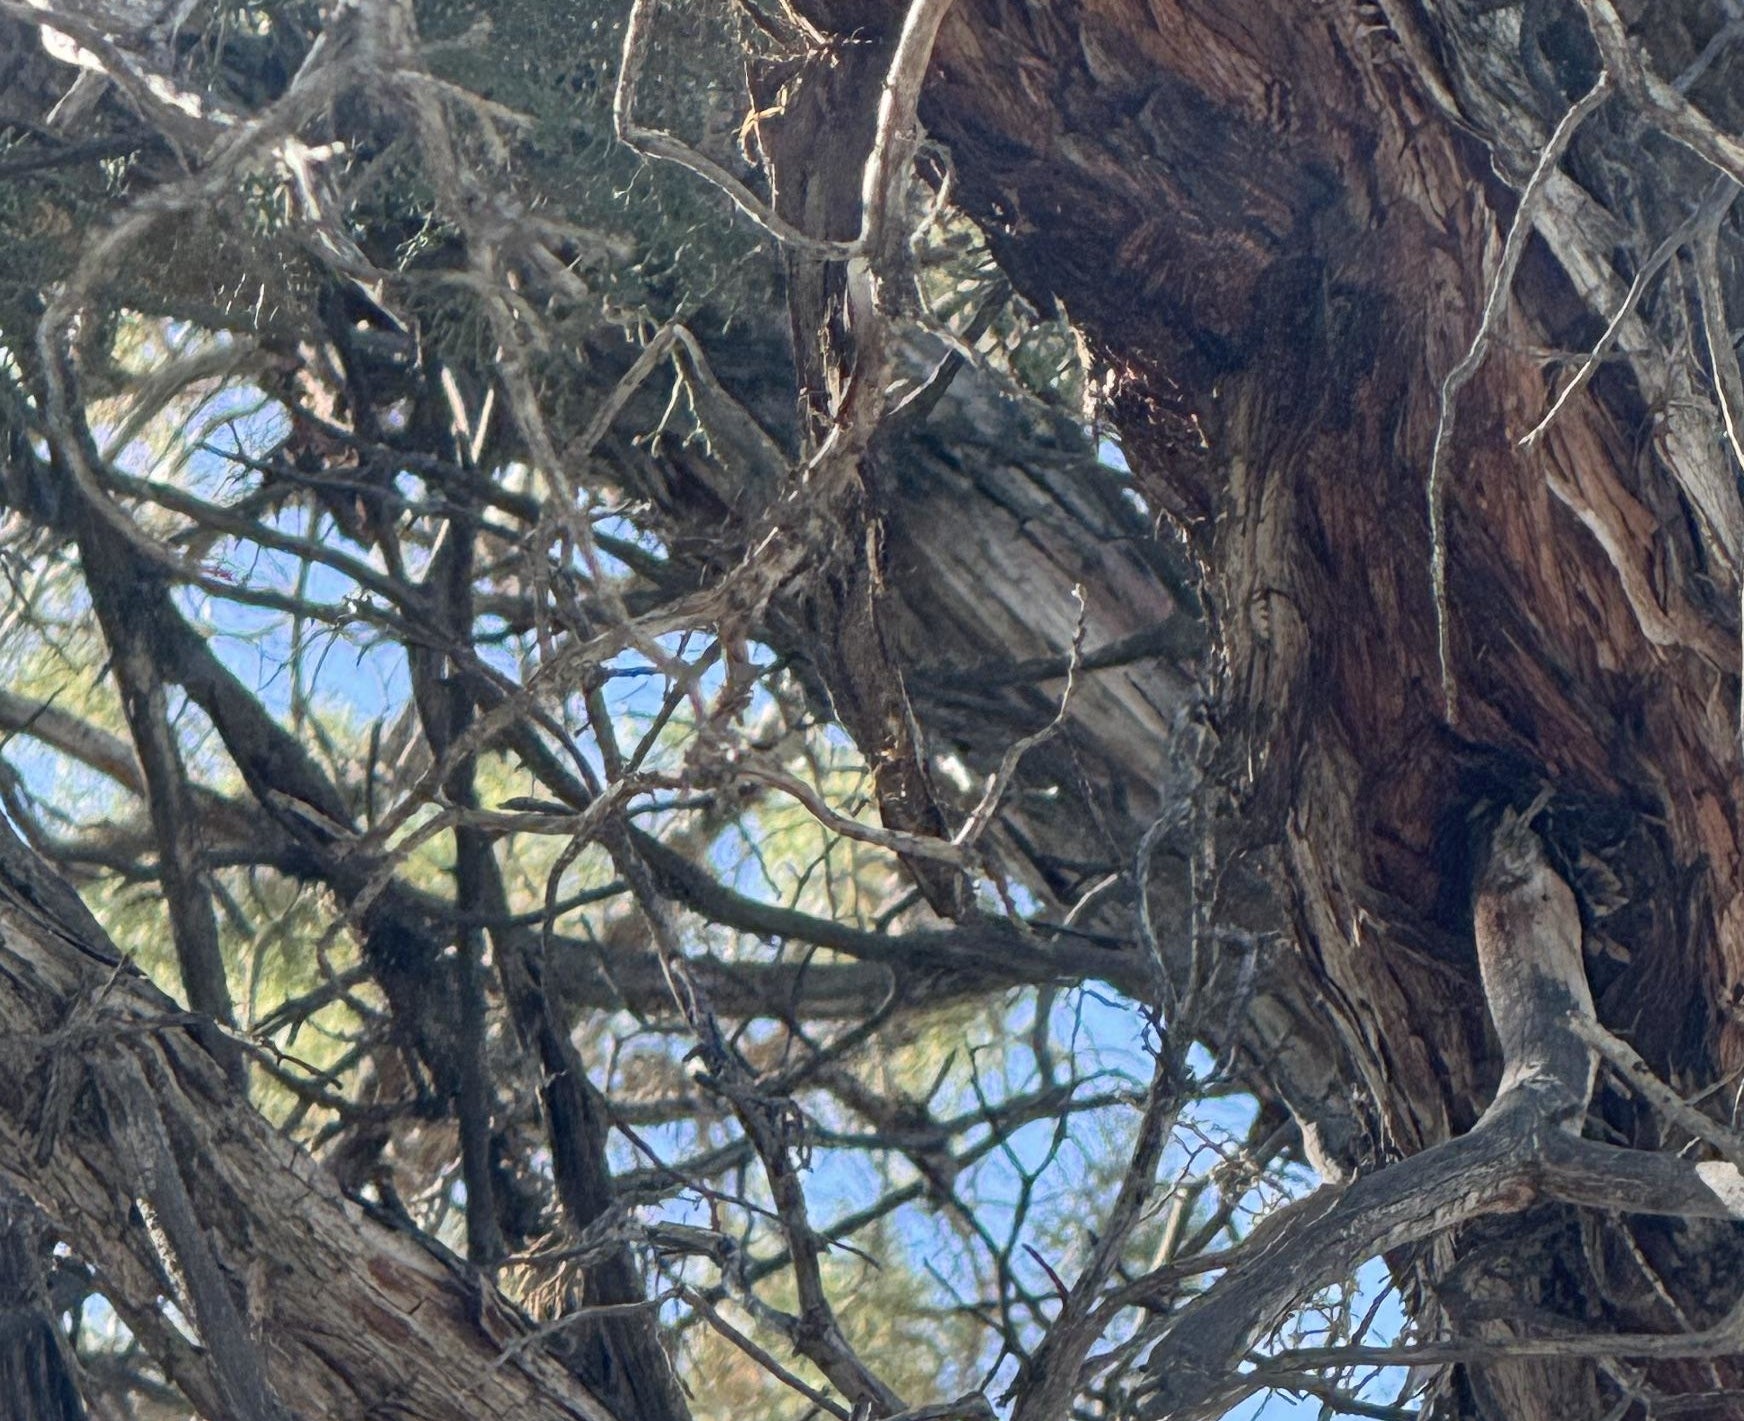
891,710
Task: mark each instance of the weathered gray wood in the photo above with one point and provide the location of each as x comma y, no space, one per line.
37,1382
1523,1150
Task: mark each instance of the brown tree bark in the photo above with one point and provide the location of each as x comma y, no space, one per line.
1311,256
1280,230
111,1112
1319,256
1281,235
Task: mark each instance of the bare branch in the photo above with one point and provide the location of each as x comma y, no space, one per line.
1456,379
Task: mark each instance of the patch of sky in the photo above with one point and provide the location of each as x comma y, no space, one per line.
1112,456
359,668
1372,1300
1031,1187
836,737
221,435
1110,1036
619,526
65,794
638,687
736,855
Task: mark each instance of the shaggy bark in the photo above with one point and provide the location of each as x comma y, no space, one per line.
106,1098
1330,265
1280,236
1283,240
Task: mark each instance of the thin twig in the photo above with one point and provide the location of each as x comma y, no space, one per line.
656,143
761,1355
1641,1078
1714,204
920,846
982,815
1458,377
1664,105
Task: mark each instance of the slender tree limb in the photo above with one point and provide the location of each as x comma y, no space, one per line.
182,863
1456,379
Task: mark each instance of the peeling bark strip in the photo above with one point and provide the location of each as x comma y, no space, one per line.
1280,233
344,1316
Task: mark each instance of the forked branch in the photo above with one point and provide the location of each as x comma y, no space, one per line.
1525,1148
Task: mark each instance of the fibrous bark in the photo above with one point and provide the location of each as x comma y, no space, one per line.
111,1107
1329,266
1279,233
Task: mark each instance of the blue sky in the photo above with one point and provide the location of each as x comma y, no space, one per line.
366,675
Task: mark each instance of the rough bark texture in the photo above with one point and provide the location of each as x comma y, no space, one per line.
36,1373
352,1317
1278,229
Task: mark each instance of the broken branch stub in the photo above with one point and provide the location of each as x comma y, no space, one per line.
1528,933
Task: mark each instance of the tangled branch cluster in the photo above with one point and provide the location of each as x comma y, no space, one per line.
455,644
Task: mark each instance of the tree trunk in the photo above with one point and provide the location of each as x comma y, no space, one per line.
1278,232
105,1099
